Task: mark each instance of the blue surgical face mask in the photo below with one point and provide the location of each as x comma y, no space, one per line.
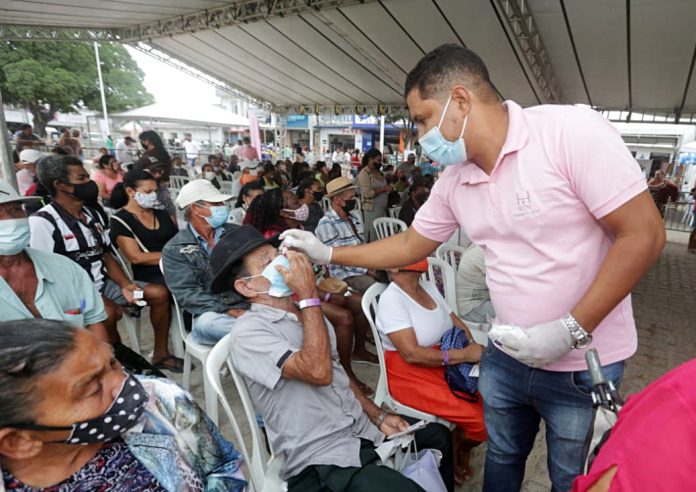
14,236
278,287
441,150
218,215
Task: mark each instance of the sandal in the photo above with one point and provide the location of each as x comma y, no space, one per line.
177,365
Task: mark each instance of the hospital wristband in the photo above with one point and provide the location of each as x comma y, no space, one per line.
445,357
313,302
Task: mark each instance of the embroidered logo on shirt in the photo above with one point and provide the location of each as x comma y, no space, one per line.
526,206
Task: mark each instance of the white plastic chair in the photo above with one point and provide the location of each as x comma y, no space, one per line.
386,226
382,395
326,204
177,182
450,254
132,323
263,469
394,212
226,187
236,215
200,352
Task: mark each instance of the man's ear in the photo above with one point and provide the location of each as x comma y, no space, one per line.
18,444
240,286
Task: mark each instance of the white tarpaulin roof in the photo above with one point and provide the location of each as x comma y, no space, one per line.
635,55
199,114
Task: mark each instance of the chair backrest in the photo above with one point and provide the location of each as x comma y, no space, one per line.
217,358
448,280
358,204
394,212
386,226
180,326
450,254
226,187
177,182
326,204
369,307
258,461
236,215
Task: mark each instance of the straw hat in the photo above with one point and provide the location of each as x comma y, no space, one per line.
338,185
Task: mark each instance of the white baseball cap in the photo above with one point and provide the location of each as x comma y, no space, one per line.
8,194
199,190
30,155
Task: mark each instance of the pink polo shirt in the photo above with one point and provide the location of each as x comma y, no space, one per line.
560,170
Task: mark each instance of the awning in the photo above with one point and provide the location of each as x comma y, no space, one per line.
353,56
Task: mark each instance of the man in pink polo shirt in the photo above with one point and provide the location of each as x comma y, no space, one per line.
562,211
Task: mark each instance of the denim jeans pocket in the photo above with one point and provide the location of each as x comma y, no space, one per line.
582,382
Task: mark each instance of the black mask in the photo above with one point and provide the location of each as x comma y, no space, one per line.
378,166
318,195
349,205
87,192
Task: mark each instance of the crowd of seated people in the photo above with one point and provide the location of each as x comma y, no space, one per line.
73,240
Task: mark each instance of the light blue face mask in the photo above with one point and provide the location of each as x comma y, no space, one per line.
218,215
441,150
278,287
14,236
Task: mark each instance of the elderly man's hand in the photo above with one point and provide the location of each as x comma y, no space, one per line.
307,243
393,424
300,278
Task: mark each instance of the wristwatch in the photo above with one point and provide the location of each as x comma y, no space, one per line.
581,338
380,418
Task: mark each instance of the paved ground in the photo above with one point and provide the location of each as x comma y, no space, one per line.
664,309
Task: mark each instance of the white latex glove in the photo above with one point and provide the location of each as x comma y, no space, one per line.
536,346
307,243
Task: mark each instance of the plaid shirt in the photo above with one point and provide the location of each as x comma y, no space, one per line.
333,231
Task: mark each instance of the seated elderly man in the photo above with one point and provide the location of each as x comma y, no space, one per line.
316,418
186,265
342,226
33,282
71,418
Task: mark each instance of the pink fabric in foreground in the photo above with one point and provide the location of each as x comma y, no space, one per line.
653,443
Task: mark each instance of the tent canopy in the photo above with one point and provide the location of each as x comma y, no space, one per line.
198,115
342,55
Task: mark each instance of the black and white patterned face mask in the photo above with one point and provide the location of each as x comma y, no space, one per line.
122,415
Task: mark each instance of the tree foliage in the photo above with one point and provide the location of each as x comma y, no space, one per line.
45,77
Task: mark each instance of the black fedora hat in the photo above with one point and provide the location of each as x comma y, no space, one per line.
228,252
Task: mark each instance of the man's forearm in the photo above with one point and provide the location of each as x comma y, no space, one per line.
114,271
394,251
370,409
628,260
315,349
100,330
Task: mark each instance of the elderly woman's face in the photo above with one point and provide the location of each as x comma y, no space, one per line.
83,387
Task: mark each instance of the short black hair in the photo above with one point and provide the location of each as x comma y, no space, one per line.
445,66
25,126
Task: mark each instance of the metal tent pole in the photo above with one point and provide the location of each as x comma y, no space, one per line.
6,164
381,133
101,88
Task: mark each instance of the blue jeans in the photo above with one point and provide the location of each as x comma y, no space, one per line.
515,398
209,328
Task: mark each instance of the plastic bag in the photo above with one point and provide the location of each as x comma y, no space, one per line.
421,467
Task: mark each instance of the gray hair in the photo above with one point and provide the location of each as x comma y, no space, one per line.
29,349
52,168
